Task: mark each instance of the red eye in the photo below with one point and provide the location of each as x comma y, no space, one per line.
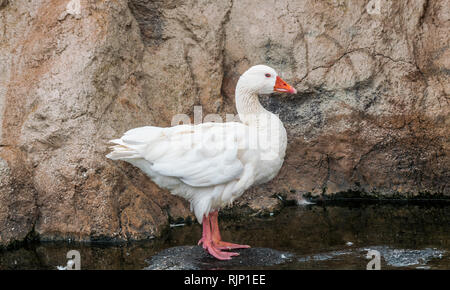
268,75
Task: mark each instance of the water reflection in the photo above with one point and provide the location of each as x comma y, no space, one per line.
322,236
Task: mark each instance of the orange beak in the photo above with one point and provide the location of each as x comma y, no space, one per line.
283,87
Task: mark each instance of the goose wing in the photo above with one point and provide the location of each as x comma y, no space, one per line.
198,155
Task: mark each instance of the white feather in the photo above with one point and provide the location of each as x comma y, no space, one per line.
209,164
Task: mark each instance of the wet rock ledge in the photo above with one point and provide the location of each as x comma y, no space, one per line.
195,258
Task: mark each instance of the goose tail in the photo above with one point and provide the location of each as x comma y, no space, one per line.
120,151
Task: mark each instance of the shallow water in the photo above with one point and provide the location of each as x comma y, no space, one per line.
338,235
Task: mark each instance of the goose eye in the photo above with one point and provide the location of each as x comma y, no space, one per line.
268,75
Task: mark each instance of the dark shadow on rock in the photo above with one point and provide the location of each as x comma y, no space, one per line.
195,258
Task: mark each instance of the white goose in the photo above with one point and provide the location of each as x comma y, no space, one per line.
212,164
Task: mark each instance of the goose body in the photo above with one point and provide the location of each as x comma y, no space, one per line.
212,164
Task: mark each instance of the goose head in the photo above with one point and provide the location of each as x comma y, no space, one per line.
262,79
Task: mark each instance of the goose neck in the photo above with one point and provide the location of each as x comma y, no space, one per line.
247,104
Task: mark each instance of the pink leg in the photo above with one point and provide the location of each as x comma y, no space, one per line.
216,238
205,232
209,246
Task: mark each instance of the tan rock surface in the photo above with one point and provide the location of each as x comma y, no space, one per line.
371,115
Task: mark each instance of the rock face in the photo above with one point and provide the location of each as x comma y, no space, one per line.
371,115
372,112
